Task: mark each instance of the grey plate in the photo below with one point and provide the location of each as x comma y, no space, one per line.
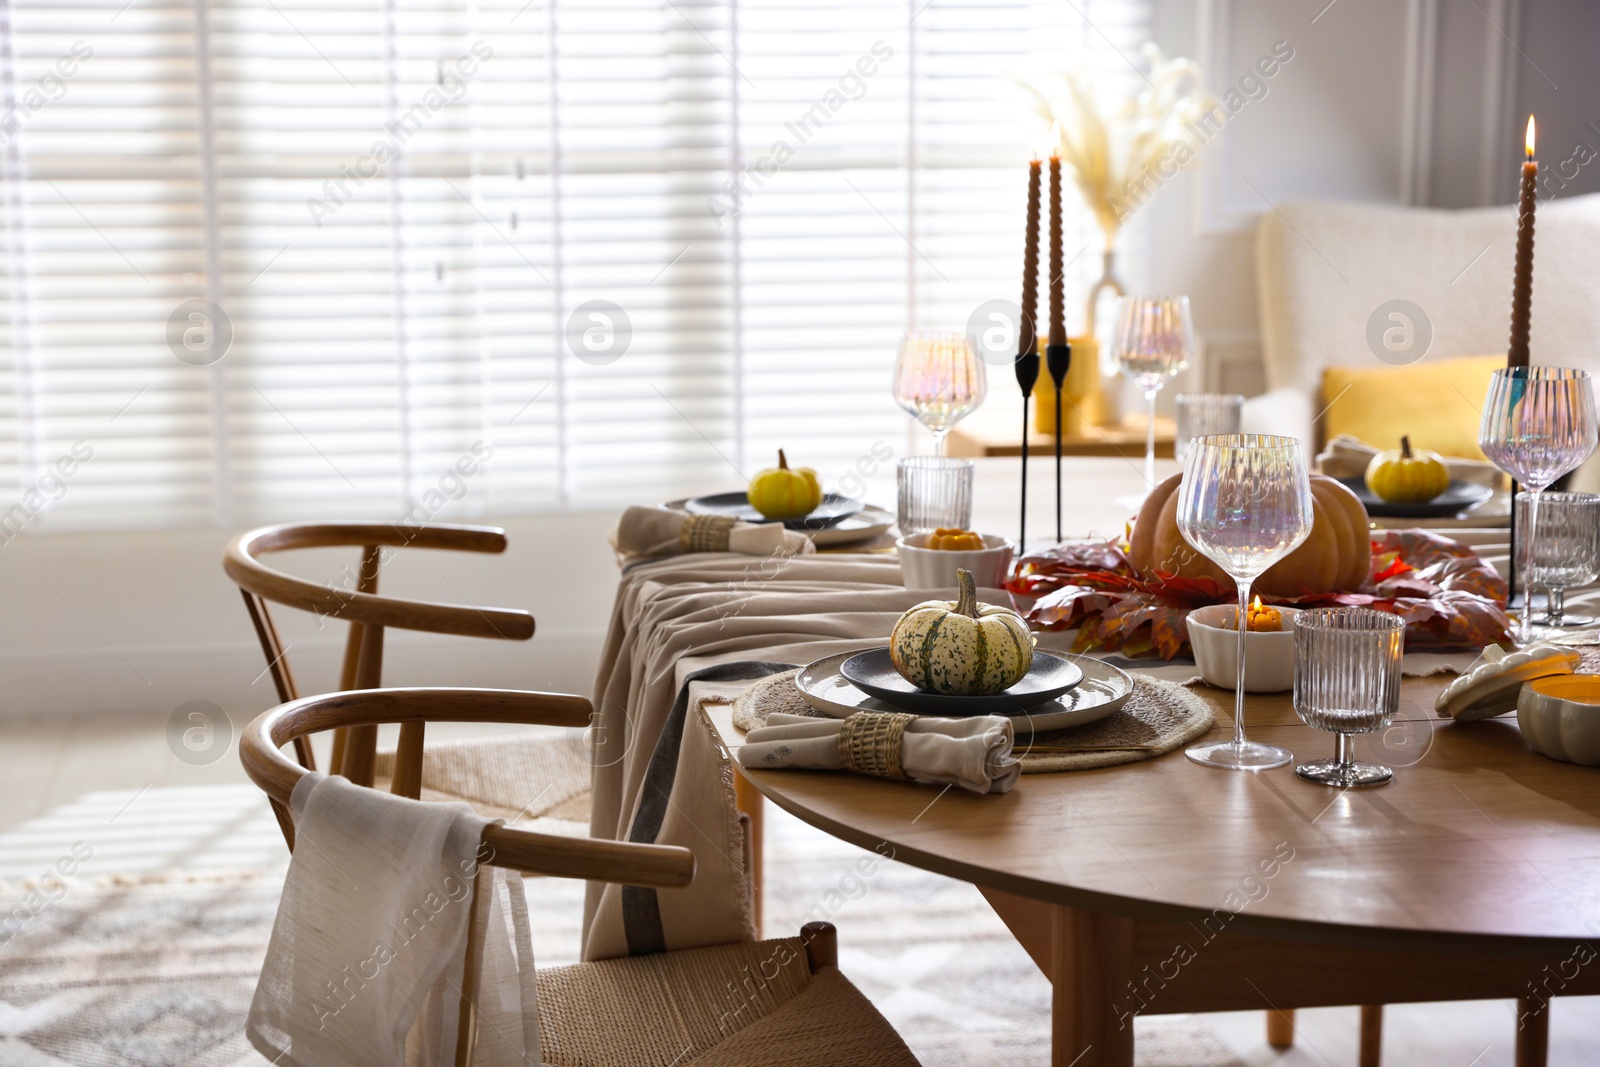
1454,500
874,673
1103,690
833,509
869,522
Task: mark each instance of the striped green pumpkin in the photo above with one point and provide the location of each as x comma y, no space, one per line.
963,648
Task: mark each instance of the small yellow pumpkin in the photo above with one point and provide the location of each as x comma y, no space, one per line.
785,492
1407,475
962,648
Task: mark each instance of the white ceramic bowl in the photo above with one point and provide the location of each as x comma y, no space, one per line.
935,568
1560,717
1268,656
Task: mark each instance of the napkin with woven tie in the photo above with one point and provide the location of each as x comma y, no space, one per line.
1347,457
974,753
650,533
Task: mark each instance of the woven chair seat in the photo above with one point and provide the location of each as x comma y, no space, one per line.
748,1004
518,777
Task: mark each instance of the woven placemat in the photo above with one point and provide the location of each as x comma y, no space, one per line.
1158,717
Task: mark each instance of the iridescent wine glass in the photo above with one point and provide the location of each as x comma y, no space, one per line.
939,379
1244,503
1538,424
1154,341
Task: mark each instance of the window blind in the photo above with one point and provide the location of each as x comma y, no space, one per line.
274,259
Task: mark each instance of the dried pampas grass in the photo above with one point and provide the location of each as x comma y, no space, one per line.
1112,155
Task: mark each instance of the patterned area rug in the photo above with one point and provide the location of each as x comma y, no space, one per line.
158,970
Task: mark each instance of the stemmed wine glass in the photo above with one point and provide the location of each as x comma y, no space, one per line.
1154,341
939,379
1244,503
1538,424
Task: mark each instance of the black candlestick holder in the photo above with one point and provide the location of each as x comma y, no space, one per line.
1058,358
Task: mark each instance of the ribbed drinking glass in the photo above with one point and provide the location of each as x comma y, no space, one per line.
1567,553
1347,681
1203,414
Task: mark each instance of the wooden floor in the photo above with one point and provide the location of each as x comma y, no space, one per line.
51,763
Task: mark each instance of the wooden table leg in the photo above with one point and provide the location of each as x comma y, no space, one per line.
1533,1032
1280,1028
1371,1035
749,801
1091,965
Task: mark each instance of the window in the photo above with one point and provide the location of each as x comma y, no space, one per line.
271,259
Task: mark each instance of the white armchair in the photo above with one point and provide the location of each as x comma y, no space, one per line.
1323,268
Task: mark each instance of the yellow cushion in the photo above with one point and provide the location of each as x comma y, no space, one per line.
1437,403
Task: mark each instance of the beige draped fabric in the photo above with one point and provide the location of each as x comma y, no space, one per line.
672,619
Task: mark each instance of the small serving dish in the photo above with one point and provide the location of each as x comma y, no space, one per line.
1494,682
1560,717
935,568
1268,657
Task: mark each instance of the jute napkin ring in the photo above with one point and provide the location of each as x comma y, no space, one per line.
869,742
706,533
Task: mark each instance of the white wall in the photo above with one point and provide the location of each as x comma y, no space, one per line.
148,621
1418,102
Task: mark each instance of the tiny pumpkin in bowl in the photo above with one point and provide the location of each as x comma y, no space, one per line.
785,492
954,539
961,647
1406,475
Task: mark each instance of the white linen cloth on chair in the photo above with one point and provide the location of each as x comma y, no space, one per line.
365,964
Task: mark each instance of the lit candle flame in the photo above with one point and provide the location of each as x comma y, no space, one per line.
1257,605
1528,142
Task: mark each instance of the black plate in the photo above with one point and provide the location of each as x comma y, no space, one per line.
873,673
1458,498
833,509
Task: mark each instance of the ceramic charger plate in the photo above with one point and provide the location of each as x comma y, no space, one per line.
864,525
1461,496
1103,690
833,508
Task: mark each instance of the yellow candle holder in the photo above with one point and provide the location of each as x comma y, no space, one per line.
1083,398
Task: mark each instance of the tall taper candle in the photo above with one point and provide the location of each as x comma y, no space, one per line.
1522,284
1058,322
1028,328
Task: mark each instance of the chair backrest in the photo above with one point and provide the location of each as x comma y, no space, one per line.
359,604
623,862
1324,268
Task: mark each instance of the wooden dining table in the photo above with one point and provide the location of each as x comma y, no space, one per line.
1164,886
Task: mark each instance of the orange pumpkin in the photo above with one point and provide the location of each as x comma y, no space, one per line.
1334,558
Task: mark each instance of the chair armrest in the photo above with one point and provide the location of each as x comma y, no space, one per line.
594,859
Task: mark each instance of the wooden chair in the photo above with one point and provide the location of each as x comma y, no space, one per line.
369,614
673,1007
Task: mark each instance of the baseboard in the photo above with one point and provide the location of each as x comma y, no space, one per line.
158,679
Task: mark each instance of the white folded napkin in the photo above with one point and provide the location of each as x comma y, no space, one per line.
367,956
974,753
645,533
1347,457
